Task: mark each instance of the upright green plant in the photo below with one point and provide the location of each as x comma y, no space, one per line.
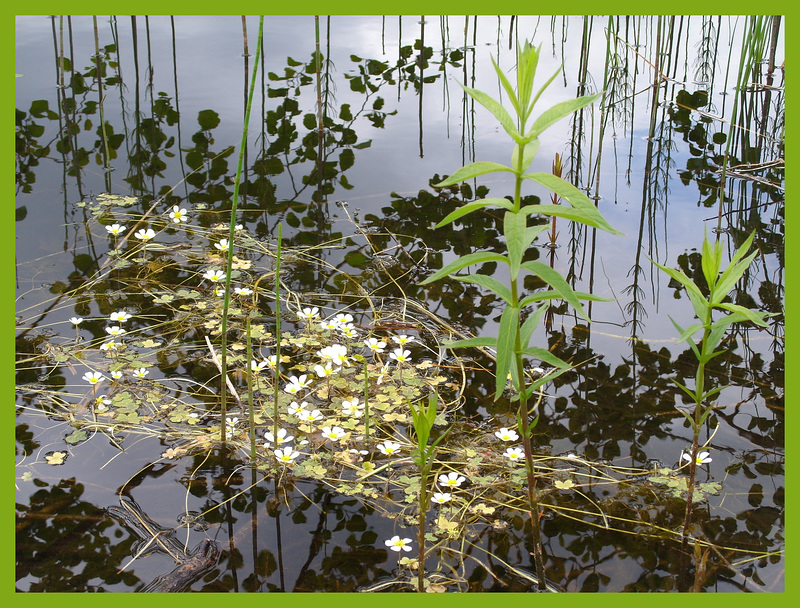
423,419
720,282
513,342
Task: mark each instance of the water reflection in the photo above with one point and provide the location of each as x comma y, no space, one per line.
125,120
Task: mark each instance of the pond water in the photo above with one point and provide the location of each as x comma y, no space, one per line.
127,486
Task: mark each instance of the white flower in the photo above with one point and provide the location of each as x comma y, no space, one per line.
295,409
375,345
343,319
348,330
116,375
115,330
400,355
352,408
115,229
506,434
335,353
145,235
330,324
333,433
242,291
215,275
178,215
219,292
514,454
451,480
398,544
297,384
286,455
702,457
93,377
76,320
140,373
389,447
402,339
324,372
222,245
383,374
111,345
102,403
231,421
441,497
283,437
309,314
309,416
258,366
119,316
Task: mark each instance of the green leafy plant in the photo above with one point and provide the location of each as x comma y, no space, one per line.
513,342
423,418
720,282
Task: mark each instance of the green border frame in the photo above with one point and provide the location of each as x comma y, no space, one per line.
408,7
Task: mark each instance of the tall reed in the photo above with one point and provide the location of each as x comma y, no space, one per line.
231,237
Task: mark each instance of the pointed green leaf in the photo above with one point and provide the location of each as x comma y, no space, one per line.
479,342
589,214
559,111
753,316
488,282
688,392
730,276
556,281
463,262
472,170
530,325
496,109
549,294
528,153
514,226
544,86
710,260
506,337
545,355
679,276
474,206
686,334
512,95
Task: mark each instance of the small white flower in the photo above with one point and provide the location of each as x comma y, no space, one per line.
283,437
215,275
76,320
441,497
286,455
329,324
389,447
296,384
295,409
222,245
115,229
93,377
231,421
258,366
514,454
309,416
111,345
402,339
242,291
352,408
506,434
343,319
309,314
145,235
333,433
348,331
141,372
178,215
335,353
375,345
400,355
399,544
116,375
702,457
219,292
119,316
115,330
324,372
451,480
102,403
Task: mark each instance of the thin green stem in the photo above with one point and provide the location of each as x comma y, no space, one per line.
275,414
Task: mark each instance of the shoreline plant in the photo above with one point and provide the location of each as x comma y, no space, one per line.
512,344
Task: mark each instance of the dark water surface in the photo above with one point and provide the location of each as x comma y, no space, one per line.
172,93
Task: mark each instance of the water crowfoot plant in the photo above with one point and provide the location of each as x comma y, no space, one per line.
514,335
